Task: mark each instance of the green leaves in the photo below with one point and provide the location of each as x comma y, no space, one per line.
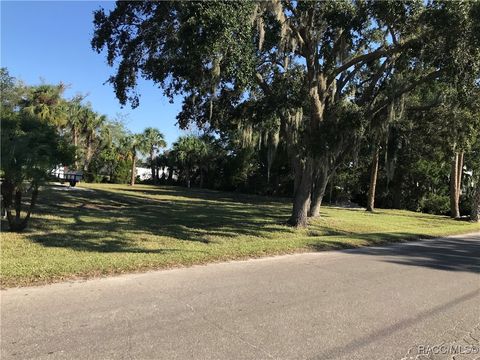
31,148
317,77
190,150
176,44
152,140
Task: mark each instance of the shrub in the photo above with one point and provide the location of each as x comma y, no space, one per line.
435,204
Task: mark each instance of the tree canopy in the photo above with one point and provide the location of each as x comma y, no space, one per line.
315,75
30,145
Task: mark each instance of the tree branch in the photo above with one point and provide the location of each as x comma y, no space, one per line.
362,59
343,81
392,34
263,85
379,52
432,75
374,80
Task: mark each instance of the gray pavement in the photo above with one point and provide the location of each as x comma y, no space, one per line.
392,302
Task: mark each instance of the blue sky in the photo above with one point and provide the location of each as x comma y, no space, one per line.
50,40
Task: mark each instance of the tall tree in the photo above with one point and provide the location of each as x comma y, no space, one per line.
111,159
132,145
233,60
153,140
475,212
91,123
12,92
31,146
75,110
46,103
460,115
191,154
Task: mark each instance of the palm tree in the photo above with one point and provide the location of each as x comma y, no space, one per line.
74,111
190,152
91,122
45,102
153,140
132,144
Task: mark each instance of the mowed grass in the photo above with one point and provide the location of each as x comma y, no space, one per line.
100,229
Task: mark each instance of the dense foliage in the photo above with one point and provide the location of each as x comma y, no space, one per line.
30,145
42,130
326,83
370,103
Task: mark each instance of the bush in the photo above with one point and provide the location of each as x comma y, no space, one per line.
466,204
435,204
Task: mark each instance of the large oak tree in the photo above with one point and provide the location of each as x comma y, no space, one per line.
315,69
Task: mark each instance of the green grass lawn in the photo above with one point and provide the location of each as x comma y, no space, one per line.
102,229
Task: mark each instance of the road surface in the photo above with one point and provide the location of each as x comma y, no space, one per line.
392,302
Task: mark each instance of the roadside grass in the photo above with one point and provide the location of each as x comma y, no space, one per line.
101,229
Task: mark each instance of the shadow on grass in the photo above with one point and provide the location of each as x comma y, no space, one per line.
99,220
212,195
102,218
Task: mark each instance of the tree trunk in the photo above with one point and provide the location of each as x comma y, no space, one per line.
18,205
188,178
318,192
16,223
459,177
330,201
134,170
454,208
373,180
7,190
475,215
456,184
152,156
75,136
302,194
304,168
396,189
201,178
89,154
75,143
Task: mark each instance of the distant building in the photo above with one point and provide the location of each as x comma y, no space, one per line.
146,173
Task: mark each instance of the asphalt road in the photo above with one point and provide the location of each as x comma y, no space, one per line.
393,302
